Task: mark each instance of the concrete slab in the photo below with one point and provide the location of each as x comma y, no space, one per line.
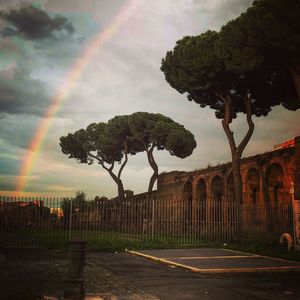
202,252
218,260
169,283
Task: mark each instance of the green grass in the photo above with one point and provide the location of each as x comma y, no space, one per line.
108,244
105,241
114,241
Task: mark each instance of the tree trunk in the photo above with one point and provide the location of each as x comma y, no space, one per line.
121,197
121,193
155,171
237,151
152,182
236,164
237,180
116,178
118,181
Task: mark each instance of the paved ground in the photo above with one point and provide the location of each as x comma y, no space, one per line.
218,260
29,274
32,273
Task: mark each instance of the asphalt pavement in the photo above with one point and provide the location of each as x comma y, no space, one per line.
27,274
168,282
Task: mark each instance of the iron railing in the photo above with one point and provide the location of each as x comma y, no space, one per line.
53,221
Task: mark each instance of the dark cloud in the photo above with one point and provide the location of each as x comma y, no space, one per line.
9,166
16,131
34,23
218,12
231,9
21,94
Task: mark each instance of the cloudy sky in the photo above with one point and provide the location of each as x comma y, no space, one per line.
123,76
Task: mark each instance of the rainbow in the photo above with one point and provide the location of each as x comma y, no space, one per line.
65,88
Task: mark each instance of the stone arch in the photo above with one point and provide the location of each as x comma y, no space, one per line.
275,184
201,190
252,187
230,197
216,209
217,189
188,200
201,198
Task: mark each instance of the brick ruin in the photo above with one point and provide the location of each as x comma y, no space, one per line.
195,207
202,201
267,178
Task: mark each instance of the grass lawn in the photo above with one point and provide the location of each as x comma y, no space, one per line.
115,241
105,241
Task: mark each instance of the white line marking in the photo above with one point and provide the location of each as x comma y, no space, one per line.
264,256
219,270
209,257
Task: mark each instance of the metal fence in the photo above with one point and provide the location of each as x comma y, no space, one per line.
52,222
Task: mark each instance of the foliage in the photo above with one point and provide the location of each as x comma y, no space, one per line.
44,212
112,142
156,131
236,70
98,199
266,35
199,67
106,144
79,203
162,133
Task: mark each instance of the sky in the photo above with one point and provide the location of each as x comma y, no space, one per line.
121,76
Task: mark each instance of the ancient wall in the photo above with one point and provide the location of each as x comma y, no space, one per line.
267,178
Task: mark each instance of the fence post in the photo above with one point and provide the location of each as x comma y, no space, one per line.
75,283
70,221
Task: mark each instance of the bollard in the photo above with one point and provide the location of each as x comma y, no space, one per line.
75,282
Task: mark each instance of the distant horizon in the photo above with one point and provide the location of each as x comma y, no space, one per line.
56,195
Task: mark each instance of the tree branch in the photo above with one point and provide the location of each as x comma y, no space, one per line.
112,166
249,133
227,120
101,162
95,157
125,161
154,167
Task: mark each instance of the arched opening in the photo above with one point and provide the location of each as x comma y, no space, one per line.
217,189
230,206
217,196
202,201
253,215
275,197
201,190
230,189
252,187
275,185
187,202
